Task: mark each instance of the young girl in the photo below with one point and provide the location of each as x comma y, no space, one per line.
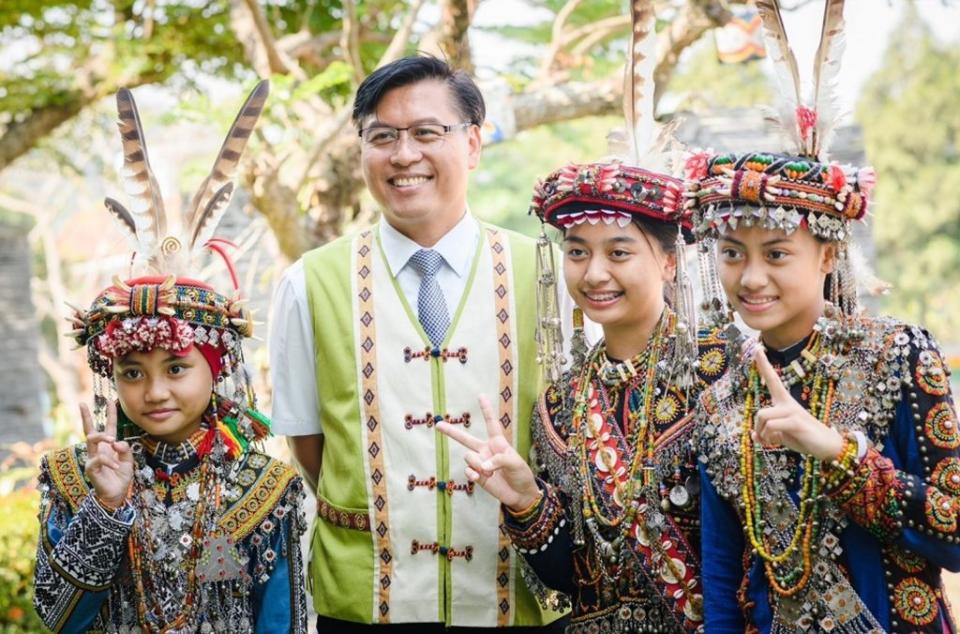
830,452
166,519
612,521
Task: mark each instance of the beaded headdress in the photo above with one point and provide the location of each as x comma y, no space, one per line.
159,307
636,184
790,190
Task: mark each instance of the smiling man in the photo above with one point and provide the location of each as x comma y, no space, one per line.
378,336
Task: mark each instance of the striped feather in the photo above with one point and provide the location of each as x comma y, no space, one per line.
784,67
638,86
206,223
826,68
123,217
227,160
147,209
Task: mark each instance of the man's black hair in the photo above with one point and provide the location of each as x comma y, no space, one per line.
410,70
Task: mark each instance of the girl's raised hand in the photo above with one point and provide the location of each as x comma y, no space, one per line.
494,464
109,463
787,423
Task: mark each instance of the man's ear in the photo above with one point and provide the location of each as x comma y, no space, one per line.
475,146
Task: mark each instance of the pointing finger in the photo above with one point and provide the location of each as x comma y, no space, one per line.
461,436
778,391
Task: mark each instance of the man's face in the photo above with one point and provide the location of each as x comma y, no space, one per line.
421,186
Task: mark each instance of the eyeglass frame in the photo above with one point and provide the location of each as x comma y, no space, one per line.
447,129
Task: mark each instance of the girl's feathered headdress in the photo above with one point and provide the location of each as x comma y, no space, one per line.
798,188
162,307
636,180
161,249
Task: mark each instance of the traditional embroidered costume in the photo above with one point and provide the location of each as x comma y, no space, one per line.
617,529
790,543
208,538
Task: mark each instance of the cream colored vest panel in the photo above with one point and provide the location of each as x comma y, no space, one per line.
454,550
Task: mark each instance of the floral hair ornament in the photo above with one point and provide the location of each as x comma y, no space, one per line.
636,182
160,306
802,188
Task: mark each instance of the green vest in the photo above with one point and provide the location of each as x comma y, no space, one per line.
401,535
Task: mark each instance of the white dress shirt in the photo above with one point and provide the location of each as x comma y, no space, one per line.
296,407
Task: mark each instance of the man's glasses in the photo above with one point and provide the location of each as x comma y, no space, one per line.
425,134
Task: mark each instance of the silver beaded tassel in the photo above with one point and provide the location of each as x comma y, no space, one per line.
684,361
712,306
843,283
549,333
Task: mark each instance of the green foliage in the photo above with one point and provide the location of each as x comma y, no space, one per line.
502,186
702,83
912,133
18,543
46,42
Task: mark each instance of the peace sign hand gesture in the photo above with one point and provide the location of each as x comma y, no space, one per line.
109,463
494,464
787,423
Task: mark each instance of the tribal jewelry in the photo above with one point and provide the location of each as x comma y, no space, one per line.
752,461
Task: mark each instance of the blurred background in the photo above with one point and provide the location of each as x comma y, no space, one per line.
551,74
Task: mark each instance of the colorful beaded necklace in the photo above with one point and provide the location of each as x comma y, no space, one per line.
636,493
786,579
176,511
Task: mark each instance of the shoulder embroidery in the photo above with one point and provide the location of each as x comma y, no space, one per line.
268,481
66,474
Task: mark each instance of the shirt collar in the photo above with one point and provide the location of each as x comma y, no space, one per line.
457,246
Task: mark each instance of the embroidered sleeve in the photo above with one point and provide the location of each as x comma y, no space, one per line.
923,495
545,541
280,597
77,557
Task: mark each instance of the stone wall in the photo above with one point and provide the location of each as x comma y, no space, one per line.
21,379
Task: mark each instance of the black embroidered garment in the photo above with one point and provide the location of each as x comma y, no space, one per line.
95,566
884,529
641,575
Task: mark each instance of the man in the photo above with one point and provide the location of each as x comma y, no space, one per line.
378,336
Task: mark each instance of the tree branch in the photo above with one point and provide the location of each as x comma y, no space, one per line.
395,49
556,38
252,29
566,101
692,21
20,137
455,18
607,24
603,30
92,81
350,39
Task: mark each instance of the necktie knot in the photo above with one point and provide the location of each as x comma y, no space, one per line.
427,262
